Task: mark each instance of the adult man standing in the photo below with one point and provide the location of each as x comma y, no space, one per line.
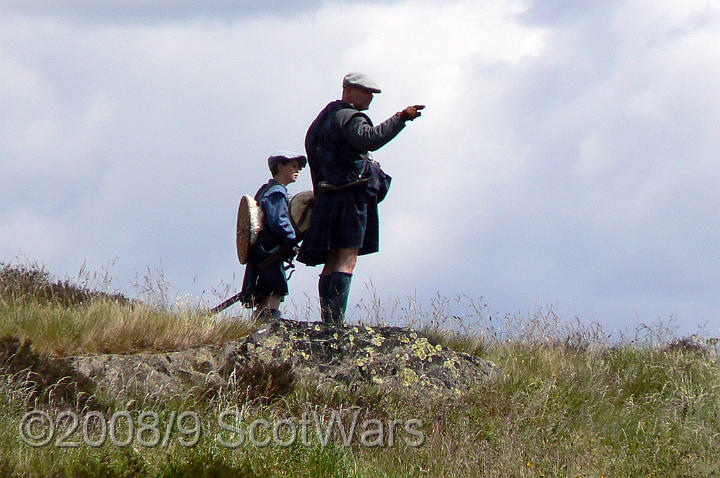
344,222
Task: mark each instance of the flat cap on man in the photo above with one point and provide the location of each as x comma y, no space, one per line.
286,156
361,80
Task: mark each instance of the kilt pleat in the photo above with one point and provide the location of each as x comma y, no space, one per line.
344,219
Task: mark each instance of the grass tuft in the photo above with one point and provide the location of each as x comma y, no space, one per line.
262,381
46,380
32,283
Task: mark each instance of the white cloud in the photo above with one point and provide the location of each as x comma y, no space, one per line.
567,154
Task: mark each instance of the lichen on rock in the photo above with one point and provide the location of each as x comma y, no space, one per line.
393,356
311,351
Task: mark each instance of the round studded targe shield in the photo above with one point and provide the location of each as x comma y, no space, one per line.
249,223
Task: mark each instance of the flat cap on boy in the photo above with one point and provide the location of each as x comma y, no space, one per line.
286,156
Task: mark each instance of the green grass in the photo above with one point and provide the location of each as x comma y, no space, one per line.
570,402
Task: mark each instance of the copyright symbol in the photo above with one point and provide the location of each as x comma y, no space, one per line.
37,428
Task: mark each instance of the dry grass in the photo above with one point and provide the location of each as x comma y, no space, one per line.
63,319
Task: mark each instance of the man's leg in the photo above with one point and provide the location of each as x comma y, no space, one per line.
340,260
340,291
324,293
334,284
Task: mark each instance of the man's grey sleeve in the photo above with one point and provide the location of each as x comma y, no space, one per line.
364,136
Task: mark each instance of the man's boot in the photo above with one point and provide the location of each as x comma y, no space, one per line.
324,293
340,291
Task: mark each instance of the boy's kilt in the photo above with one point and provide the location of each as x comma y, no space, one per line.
346,218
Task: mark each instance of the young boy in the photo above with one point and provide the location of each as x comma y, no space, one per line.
265,289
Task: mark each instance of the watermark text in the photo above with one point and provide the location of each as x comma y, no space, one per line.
230,429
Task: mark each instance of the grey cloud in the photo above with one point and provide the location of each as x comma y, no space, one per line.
163,11
609,213
583,176
562,12
143,11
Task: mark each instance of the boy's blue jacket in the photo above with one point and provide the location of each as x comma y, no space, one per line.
277,228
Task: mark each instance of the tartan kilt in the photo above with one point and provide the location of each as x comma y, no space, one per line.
259,284
346,219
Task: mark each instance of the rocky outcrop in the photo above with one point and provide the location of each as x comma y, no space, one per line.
160,374
380,355
315,352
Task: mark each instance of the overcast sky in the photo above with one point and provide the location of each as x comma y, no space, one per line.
567,158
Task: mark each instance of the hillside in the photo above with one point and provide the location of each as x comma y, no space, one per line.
563,399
